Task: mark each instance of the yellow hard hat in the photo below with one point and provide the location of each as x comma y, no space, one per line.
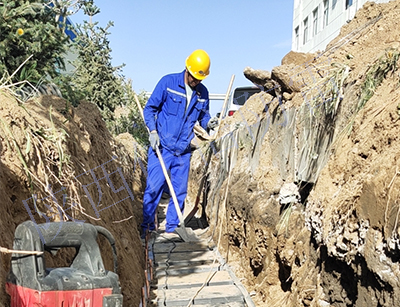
198,64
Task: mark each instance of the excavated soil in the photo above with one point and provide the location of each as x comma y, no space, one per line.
303,197
86,146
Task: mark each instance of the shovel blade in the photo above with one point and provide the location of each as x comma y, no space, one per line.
186,234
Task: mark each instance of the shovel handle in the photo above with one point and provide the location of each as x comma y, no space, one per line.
139,106
164,169
171,188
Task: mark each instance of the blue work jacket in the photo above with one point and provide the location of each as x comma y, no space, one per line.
166,112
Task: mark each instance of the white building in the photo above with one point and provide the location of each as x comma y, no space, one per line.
317,22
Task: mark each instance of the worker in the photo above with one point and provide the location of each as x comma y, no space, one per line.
178,101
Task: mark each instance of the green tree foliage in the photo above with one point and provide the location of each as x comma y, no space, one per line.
95,78
97,81
34,30
29,28
128,117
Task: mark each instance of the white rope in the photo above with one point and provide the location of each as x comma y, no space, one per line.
11,251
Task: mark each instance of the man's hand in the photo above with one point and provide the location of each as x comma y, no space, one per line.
212,123
154,139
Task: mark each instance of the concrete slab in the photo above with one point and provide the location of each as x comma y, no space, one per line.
180,247
184,258
181,268
217,278
186,270
234,304
213,296
163,238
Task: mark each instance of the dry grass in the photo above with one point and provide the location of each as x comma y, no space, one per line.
283,223
42,155
385,65
324,97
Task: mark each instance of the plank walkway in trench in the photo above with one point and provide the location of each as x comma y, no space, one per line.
190,273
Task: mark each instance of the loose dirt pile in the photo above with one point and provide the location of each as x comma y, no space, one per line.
305,185
47,145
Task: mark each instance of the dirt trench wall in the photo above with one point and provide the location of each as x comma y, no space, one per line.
329,158
252,165
322,249
87,150
354,207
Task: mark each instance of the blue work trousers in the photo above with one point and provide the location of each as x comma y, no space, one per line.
178,165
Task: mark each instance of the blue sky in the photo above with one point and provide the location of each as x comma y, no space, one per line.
154,37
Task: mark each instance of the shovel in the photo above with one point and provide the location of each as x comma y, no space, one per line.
186,234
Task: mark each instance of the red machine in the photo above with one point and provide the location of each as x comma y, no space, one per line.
85,283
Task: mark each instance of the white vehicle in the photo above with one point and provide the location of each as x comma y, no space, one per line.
238,98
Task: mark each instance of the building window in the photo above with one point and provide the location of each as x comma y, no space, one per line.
305,33
349,3
315,22
326,11
296,38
